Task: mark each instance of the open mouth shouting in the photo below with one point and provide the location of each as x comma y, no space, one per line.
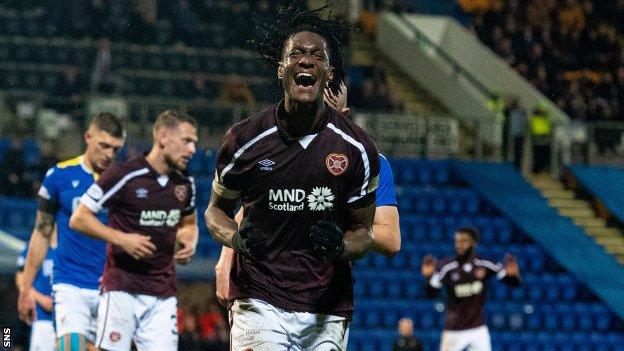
306,86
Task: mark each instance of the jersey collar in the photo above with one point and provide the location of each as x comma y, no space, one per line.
280,111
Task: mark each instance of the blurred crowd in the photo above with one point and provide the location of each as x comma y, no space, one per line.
21,171
202,323
568,49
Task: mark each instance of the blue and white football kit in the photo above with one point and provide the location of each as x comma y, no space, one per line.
79,260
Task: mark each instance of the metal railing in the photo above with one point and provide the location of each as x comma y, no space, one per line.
422,38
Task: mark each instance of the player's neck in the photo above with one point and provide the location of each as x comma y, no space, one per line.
87,163
300,119
157,160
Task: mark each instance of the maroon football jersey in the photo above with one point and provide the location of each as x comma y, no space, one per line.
286,185
465,284
140,200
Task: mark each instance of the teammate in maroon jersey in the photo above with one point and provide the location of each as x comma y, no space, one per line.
152,222
306,178
465,279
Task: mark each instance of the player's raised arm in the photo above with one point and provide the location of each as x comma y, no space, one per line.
512,271
432,279
186,238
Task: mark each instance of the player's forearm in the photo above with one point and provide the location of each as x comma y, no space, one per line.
37,251
358,242
84,221
42,300
359,238
189,231
220,225
386,231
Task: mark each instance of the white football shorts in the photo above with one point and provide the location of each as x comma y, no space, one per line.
75,310
150,321
42,337
259,326
477,339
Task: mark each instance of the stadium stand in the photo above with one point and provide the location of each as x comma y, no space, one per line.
553,310
186,52
604,184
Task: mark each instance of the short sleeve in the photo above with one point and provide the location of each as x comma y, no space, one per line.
491,268
104,191
365,180
49,187
228,181
386,195
21,259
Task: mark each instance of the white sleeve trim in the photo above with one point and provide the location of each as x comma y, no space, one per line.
91,204
44,193
365,160
496,267
436,281
501,274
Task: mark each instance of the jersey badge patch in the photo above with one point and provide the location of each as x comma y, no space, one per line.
337,164
181,192
114,336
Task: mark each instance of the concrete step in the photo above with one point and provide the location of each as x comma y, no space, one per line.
551,184
609,241
577,212
615,249
569,203
603,231
558,194
589,222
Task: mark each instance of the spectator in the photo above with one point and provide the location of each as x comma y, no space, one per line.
201,88
212,328
540,138
12,182
103,77
406,341
234,91
190,340
515,125
68,88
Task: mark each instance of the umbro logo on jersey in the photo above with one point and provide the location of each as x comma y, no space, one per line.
75,183
266,165
141,193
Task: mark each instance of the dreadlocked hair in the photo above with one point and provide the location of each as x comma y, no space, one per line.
293,18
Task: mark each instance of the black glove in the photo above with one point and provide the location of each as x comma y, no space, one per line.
248,245
327,240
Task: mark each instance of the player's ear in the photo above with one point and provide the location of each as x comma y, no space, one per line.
161,137
280,70
330,74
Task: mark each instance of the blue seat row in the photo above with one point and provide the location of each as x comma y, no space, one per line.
416,228
500,316
410,171
438,201
530,257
